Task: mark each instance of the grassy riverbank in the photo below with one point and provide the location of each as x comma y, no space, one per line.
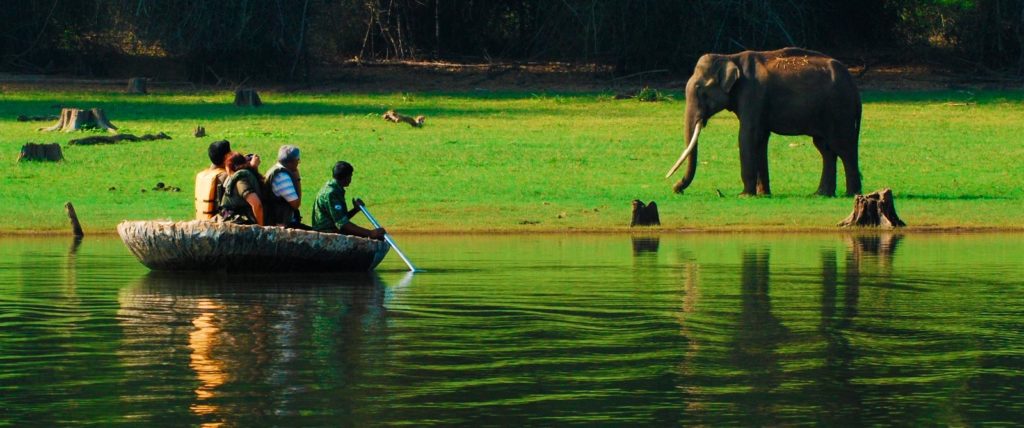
519,161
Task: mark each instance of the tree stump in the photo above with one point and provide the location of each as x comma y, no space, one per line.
247,98
645,215
394,116
73,119
41,152
874,209
137,85
199,132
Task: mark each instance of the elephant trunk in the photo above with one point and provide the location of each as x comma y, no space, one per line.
693,126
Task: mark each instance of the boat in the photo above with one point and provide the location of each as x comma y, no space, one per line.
201,245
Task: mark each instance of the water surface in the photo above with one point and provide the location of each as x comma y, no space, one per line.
540,330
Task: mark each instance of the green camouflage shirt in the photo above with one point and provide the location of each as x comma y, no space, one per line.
330,212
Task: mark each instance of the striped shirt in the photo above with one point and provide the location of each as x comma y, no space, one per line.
283,187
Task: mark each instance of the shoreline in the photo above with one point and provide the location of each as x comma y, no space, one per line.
752,230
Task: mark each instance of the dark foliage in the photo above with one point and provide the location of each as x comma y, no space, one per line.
229,41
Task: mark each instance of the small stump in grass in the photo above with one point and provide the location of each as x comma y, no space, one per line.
137,85
874,209
41,152
247,98
74,119
645,215
199,132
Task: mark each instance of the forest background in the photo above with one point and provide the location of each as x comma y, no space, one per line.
301,40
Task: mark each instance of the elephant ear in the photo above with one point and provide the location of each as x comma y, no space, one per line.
728,74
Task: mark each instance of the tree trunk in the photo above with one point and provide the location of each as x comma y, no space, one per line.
41,152
874,209
137,85
247,98
73,119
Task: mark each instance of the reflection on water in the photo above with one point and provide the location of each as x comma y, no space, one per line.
650,330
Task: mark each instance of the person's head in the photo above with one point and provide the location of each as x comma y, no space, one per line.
288,156
218,152
343,173
234,161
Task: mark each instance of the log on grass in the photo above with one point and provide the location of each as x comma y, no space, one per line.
73,119
40,152
247,98
111,139
24,118
645,215
874,209
394,116
137,85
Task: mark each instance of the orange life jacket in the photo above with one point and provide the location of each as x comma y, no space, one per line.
209,190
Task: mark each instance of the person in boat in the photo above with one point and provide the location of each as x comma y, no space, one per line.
210,181
331,213
282,190
241,202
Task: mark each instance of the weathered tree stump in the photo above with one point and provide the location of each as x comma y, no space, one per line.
104,139
199,132
40,152
394,116
137,85
73,119
645,215
874,209
247,98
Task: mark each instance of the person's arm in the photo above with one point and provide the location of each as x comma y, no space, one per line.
352,229
257,207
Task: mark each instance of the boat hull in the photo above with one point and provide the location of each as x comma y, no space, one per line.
203,245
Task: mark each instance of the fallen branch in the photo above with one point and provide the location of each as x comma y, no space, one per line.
394,116
104,139
24,118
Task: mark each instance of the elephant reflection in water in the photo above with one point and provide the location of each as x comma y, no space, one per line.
250,348
758,336
843,405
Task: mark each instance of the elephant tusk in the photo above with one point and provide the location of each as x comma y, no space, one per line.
686,153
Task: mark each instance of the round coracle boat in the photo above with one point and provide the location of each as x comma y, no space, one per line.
205,245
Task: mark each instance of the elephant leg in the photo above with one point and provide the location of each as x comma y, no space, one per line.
851,168
750,159
827,185
763,186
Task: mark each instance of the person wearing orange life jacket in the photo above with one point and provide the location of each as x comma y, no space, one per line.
210,181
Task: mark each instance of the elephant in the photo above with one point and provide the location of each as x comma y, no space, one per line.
789,91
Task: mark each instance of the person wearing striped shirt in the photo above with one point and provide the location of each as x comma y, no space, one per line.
284,190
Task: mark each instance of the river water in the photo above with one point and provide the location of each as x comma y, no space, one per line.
536,330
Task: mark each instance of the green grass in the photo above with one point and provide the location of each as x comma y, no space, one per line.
519,161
